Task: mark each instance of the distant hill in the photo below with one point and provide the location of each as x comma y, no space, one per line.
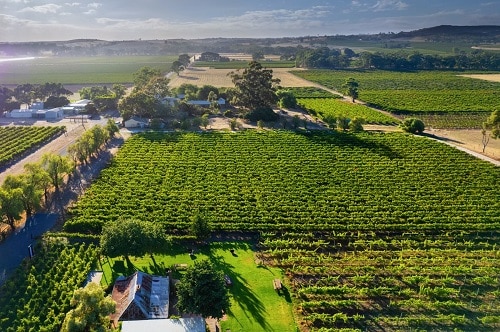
468,35
479,33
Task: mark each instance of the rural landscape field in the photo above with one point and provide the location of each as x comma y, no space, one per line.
310,223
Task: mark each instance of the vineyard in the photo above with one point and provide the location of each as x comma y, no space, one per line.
16,140
282,180
430,91
38,296
327,107
373,231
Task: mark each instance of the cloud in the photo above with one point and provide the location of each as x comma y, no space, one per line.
89,12
43,9
72,4
94,5
384,5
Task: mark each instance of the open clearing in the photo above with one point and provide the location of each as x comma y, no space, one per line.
220,77
486,77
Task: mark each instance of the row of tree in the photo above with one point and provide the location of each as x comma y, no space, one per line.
52,94
327,58
26,192
91,142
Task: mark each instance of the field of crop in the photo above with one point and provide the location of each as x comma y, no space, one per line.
284,180
38,296
16,140
328,107
373,231
79,70
414,91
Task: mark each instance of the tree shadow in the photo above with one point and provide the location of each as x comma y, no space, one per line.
364,141
253,307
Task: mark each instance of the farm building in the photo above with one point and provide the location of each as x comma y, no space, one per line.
76,107
193,324
21,114
136,122
52,114
140,296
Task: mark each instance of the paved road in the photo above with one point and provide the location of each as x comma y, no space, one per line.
15,248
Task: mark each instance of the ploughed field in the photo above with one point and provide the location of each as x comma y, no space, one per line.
374,231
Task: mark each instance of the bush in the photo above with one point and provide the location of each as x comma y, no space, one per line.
356,125
265,114
413,125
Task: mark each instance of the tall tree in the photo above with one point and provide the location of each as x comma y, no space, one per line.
199,227
491,124
11,206
185,59
132,238
255,87
202,291
31,195
351,88
38,176
91,312
177,67
57,167
143,76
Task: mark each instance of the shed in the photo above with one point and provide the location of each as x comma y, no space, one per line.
54,113
20,114
136,122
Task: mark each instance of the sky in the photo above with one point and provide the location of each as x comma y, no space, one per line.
35,20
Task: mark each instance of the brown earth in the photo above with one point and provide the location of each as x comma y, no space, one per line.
486,77
220,77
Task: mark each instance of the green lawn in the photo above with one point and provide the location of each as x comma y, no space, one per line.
255,306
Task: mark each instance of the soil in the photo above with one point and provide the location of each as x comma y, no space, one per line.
486,77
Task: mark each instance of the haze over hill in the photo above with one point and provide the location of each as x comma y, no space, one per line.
467,35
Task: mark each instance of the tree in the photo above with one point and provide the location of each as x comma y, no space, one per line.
177,67
351,88
11,206
202,291
143,76
38,176
185,59
57,167
492,124
91,312
343,123
31,194
255,87
286,99
413,125
199,227
111,128
132,238
356,124
205,121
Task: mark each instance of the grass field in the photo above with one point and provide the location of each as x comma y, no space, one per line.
79,70
255,306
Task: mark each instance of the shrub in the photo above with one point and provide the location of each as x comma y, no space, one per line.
265,114
413,125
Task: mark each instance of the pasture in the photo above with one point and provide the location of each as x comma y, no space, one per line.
79,70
